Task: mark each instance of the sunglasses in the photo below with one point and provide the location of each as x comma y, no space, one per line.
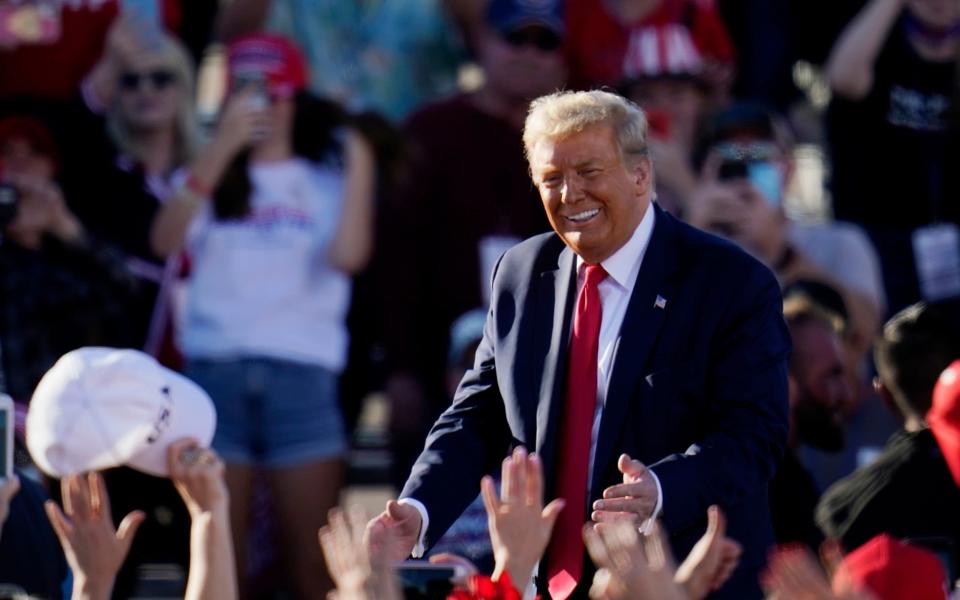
158,79
541,39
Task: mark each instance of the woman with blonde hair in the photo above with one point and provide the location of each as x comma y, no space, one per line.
133,126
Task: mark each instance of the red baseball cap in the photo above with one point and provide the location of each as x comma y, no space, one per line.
274,57
944,417
892,570
34,132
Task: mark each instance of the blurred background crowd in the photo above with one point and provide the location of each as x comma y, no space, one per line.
299,203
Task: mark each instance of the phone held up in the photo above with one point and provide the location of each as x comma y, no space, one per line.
6,436
424,580
756,163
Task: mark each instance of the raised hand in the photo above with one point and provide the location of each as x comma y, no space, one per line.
358,573
93,548
197,473
629,569
519,524
242,123
634,500
712,560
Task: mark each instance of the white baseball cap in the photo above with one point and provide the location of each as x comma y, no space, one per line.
98,408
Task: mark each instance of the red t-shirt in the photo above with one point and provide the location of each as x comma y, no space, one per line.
597,43
54,71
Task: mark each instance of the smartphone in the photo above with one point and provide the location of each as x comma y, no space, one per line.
255,81
732,169
259,99
763,175
6,436
423,579
767,177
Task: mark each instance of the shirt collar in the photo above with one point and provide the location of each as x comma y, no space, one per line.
623,266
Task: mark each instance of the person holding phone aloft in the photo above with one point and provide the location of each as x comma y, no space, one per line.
276,214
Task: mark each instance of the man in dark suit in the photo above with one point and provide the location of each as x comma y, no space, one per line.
644,361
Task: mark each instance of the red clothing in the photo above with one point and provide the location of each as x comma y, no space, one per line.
83,25
481,587
597,43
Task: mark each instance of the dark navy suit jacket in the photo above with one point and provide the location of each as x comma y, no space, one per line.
698,390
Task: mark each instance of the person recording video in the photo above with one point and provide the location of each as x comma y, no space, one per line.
59,287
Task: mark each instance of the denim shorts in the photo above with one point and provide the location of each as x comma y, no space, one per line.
271,412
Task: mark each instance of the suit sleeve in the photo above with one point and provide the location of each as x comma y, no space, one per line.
747,397
465,443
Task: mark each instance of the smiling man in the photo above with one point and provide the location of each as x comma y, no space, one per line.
644,361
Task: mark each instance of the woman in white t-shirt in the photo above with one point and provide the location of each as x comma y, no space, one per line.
275,214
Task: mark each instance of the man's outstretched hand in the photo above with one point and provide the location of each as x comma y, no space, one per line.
633,500
394,532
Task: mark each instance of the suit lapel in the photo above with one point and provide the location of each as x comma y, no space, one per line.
557,289
648,306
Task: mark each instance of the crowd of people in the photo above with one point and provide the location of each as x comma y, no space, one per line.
336,228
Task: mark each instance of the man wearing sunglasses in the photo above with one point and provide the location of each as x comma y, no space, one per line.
467,199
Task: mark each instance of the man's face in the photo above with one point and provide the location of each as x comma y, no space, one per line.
593,200
522,64
820,389
18,156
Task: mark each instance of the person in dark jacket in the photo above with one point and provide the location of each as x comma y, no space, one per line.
908,491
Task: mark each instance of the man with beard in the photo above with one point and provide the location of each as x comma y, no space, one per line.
818,391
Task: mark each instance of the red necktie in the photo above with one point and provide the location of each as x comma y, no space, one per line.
573,464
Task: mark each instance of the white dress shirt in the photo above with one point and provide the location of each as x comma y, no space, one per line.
622,268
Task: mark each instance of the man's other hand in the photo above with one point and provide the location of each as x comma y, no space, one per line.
394,531
635,499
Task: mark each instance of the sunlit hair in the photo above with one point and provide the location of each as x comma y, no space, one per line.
562,114
186,139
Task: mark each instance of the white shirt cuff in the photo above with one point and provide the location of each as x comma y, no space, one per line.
646,528
420,548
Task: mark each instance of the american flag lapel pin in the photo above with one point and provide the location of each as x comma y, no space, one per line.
660,302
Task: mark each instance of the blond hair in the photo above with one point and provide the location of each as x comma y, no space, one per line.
561,114
187,130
